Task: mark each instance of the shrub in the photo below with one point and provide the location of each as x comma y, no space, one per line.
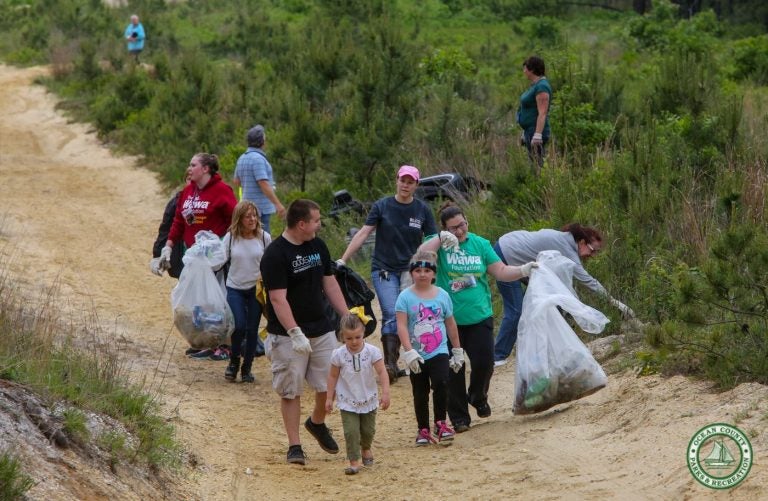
750,59
13,481
540,30
724,309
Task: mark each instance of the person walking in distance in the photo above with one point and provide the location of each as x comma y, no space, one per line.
533,113
254,174
298,276
352,381
135,35
401,222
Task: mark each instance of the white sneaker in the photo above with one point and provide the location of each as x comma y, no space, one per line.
499,363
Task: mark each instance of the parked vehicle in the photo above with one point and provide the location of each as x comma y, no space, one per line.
449,186
343,202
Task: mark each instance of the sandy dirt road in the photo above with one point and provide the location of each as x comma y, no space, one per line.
79,214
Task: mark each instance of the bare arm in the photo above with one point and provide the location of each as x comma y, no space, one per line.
504,272
381,370
357,241
266,188
453,331
402,330
279,300
432,245
334,295
542,105
333,378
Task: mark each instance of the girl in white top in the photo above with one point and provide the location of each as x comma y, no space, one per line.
352,380
245,244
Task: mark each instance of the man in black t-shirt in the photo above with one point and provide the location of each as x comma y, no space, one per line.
297,274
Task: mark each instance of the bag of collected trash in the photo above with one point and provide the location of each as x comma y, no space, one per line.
553,365
358,296
209,246
200,310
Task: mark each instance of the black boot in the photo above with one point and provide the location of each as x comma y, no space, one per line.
231,371
245,371
391,345
396,357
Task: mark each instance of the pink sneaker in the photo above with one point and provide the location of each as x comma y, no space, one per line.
425,437
443,431
221,353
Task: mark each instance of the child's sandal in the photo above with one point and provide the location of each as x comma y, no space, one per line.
351,470
368,461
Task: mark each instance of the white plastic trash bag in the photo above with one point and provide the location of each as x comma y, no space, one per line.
200,310
209,246
553,365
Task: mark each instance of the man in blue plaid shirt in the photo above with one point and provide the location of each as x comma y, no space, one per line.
254,174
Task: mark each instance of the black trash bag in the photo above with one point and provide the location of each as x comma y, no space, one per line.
356,293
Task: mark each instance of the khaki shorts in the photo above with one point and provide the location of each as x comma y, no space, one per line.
290,369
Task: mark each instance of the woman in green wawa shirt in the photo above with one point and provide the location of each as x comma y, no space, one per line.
464,262
533,114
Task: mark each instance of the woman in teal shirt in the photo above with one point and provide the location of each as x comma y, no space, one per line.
464,260
533,114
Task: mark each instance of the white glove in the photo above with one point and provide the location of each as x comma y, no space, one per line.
449,241
340,262
413,360
527,268
165,258
457,360
625,310
536,139
154,267
299,341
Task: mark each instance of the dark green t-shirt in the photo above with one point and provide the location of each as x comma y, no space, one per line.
528,111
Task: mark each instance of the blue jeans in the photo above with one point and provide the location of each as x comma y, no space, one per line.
388,286
265,222
512,298
247,312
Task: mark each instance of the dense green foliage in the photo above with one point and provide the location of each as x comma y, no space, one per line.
656,120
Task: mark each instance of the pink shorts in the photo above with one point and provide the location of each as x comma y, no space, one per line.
290,369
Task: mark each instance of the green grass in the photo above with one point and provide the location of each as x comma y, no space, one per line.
75,424
13,481
43,349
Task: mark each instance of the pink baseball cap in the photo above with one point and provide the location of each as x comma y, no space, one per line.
408,170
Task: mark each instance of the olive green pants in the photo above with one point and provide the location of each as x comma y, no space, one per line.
359,430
